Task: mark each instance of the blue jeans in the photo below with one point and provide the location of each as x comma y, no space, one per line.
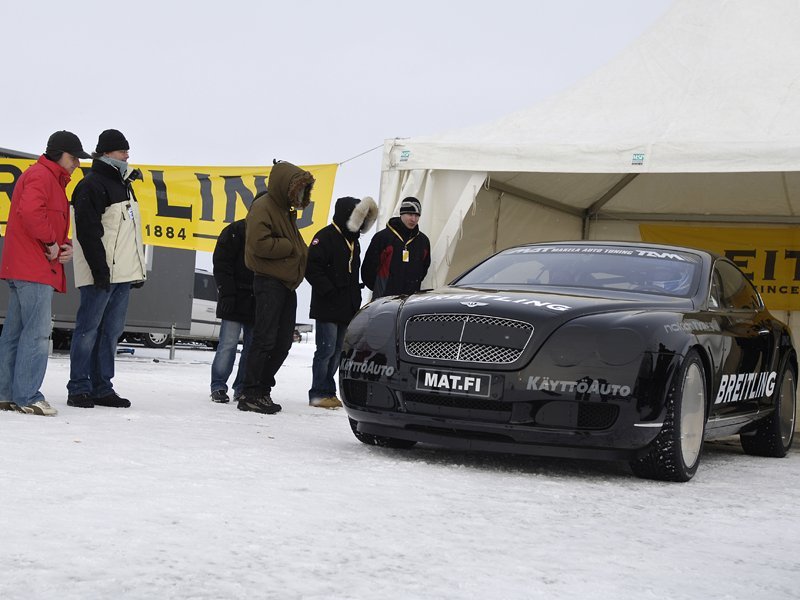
329,338
273,331
24,343
99,323
226,355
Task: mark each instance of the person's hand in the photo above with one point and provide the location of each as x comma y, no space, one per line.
51,251
102,283
137,284
66,253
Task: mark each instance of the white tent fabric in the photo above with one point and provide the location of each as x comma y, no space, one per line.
692,123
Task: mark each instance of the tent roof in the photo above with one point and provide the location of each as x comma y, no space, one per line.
714,86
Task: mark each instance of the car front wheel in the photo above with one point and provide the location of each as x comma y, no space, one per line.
378,440
156,340
675,453
773,434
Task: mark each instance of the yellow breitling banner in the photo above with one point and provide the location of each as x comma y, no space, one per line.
187,207
770,258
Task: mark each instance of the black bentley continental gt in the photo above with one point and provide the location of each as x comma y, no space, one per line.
601,350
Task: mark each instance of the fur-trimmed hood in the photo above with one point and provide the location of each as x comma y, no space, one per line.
355,216
290,186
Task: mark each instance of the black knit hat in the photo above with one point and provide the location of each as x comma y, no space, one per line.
110,140
65,141
410,205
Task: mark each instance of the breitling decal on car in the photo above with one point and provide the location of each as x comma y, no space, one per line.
692,326
492,298
583,386
368,367
745,386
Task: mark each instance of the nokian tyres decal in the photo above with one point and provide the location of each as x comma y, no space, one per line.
745,386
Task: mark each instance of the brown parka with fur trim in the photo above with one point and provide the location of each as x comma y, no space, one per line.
274,246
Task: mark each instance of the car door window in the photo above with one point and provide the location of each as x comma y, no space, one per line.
205,287
735,290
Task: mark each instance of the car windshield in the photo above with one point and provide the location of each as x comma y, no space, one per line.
636,269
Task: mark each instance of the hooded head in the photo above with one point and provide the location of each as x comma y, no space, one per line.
355,216
290,186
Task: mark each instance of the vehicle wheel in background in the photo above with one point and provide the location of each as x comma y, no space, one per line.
773,435
61,339
155,340
379,440
675,453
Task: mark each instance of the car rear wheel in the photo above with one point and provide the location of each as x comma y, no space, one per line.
675,453
156,340
378,440
773,435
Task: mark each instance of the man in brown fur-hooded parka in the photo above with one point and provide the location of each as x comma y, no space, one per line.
277,254
334,262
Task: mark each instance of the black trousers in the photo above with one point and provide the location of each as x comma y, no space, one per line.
273,333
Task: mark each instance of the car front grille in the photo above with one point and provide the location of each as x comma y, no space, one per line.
466,338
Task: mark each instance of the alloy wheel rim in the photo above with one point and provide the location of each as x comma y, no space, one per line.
787,407
692,414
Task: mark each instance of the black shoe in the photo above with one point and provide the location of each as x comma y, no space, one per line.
219,396
113,400
262,404
80,401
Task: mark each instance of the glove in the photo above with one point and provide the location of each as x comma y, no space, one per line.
226,305
102,283
137,284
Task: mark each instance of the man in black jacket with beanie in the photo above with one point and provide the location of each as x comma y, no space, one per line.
334,258
398,256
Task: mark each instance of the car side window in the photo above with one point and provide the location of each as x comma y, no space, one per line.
735,290
205,288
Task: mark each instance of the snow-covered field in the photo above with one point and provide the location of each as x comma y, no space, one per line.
178,497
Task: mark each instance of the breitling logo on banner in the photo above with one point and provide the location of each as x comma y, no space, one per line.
769,257
187,207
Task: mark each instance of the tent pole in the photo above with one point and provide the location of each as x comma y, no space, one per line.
594,210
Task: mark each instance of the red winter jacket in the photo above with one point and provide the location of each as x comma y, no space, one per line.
39,215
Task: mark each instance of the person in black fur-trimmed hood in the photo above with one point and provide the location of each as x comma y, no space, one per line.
334,260
109,260
398,256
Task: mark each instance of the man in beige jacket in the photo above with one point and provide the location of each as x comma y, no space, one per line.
109,259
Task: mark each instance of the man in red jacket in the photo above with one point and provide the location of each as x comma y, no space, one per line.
36,247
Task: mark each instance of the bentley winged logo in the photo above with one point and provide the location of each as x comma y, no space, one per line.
474,304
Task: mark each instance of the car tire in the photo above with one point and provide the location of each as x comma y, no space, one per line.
379,440
675,453
773,435
155,340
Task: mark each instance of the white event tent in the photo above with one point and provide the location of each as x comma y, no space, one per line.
697,122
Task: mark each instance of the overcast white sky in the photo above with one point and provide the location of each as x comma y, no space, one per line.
241,82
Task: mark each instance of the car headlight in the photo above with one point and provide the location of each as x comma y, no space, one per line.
372,328
574,344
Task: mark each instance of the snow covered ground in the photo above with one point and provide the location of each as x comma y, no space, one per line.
178,497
